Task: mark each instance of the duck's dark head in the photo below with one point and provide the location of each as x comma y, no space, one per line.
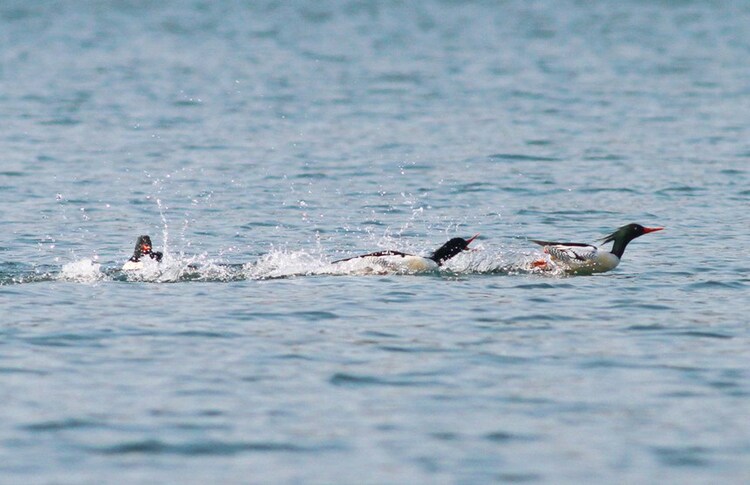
625,234
142,247
451,248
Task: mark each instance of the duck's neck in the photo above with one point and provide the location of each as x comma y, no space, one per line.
618,248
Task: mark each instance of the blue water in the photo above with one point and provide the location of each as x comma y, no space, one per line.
258,141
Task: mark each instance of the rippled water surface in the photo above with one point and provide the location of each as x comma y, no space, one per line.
258,141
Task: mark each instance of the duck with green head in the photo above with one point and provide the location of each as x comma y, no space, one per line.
579,258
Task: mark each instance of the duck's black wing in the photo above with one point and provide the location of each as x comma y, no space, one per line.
550,243
375,255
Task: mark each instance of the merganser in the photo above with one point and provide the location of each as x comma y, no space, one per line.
580,258
142,248
409,263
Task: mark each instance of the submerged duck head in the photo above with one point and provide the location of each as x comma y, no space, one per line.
143,247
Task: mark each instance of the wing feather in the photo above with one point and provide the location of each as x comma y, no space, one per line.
549,243
567,253
375,254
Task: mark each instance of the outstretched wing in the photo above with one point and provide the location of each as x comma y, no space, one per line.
569,252
376,254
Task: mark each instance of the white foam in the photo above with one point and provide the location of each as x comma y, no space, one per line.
178,267
82,271
283,264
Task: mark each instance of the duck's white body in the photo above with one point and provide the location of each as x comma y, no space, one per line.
132,265
390,262
581,259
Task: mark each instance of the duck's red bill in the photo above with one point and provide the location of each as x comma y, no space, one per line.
646,230
468,241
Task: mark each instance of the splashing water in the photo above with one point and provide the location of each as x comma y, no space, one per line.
81,271
278,263
284,264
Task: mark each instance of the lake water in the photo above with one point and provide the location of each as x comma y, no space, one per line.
258,141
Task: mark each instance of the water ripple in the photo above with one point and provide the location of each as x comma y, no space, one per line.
690,456
205,448
716,284
344,379
518,157
65,424
699,334
505,437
